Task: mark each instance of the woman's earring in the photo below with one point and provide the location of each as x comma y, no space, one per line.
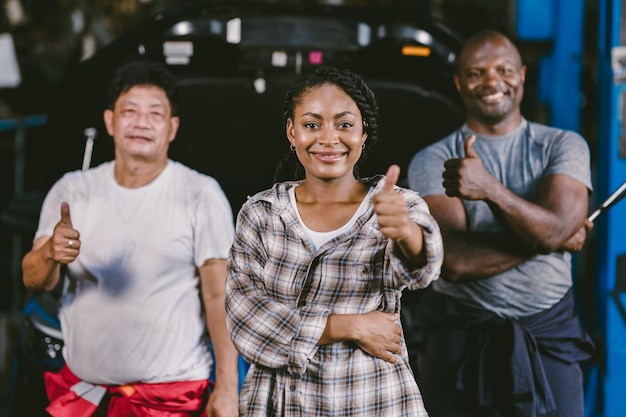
363,145
292,148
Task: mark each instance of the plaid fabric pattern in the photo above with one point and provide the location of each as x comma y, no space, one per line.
280,290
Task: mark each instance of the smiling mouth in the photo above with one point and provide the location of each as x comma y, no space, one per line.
492,97
328,157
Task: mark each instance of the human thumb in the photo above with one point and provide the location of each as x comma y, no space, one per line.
65,214
391,178
470,152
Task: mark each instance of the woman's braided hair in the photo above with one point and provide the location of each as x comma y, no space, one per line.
352,84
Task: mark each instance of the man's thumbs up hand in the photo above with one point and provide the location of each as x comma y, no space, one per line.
468,145
64,244
466,177
65,214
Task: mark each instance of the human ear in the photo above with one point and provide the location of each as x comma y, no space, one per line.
289,130
108,121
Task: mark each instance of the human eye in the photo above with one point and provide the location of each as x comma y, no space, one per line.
345,125
156,115
507,70
310,125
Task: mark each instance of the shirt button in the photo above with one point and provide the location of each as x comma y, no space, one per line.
292,387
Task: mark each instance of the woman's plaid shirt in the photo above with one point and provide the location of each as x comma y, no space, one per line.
280,291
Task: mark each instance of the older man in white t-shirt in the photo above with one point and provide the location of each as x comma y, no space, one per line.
144,241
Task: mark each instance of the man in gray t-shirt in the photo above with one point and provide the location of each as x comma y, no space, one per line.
511,198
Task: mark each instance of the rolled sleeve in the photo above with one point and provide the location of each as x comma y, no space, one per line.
304,344
421,277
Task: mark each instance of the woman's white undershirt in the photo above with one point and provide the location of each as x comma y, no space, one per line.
319,238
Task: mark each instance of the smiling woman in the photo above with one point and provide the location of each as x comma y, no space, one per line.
328,127
328,133
331,338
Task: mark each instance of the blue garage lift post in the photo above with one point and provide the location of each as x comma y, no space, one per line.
561,23
611,253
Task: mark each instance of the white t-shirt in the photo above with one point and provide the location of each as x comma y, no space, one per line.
319,238
133,311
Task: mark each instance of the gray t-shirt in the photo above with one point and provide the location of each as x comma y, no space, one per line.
519,160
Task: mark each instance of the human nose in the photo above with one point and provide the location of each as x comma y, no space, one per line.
492,77
328,136
142,118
